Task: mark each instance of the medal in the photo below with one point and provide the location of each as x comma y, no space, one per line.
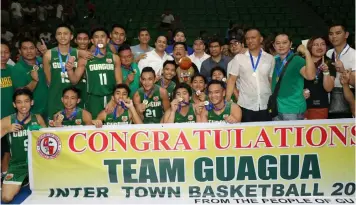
100,45
145,102
206,103
223,80
254,74
198,92
180,99
35,68
63,75
254,66
60,117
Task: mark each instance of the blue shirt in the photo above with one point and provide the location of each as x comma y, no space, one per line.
209,64
136,50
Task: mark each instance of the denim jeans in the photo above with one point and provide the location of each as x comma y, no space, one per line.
286,117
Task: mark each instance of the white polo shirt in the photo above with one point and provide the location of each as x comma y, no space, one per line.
347,57
154,60
198,61
254,90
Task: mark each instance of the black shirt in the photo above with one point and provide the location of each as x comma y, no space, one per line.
318,96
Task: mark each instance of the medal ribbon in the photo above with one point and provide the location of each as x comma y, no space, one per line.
22,122
61,60
279,70
217,109
72,116
180,105
333,58
97,51
254,67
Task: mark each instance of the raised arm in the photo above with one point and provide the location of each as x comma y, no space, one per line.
47,66
118,72
75,76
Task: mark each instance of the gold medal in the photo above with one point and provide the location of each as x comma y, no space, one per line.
145,102
180,99
60,117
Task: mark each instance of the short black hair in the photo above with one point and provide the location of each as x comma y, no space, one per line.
72,88
98,29
124,47
118,26
79,31
124,86
335,23
180,43
182,85
22,91
170,62
215,40
162,36
219,69
177,31
64,25
217,82
142,29
148,70
6,43
283,34
23,40
253,29
198,75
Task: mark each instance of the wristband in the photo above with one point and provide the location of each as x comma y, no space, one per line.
326,73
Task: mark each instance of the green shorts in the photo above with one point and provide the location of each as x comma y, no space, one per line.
95,104
16,174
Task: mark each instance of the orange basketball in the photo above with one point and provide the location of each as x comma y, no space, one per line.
185,63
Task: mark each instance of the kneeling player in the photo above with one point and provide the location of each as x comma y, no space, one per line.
217,109
71,114
181,110
16,126
124,112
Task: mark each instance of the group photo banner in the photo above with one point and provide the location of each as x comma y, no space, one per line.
296,160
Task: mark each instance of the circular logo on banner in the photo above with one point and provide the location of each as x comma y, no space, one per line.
49,145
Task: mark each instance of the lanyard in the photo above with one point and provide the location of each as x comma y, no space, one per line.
279,70
97,51
115,110
129,69
217,109
116,46
162,83
180,105
73,115
61,60
254,67
22,122
145,96
338,56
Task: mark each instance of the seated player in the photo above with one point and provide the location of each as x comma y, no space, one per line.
16,126
218,73
198,85
124,112
150,98
182,110
71,114
168,77
217,109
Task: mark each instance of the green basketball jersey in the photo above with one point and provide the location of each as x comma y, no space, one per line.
7,90
18,141
169,89
124,118
154,109
75,120
213,117
100,74
190,117
57,82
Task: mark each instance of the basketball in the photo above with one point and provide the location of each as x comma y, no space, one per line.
185,63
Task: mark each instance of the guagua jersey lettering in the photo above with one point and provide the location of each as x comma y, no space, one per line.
6,82
95,67
154,104
20,133
57,65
